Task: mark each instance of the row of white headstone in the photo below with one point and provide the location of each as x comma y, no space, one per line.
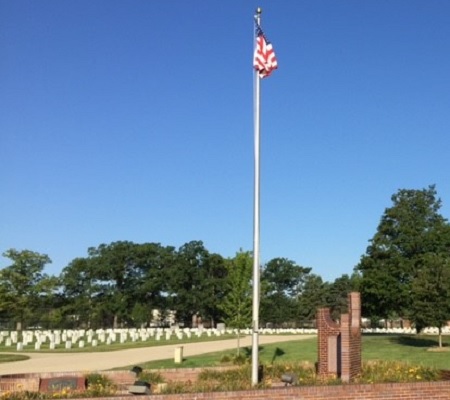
82,338
408,331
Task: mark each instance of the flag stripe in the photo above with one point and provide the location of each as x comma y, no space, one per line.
264,61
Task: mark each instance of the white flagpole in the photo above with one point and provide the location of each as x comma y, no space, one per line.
256,229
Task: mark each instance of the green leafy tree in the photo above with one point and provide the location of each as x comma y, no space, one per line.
82,292
313,296
282,280
24,287
337,294
237,303
194,282
153,265
405,235
116,267
431,293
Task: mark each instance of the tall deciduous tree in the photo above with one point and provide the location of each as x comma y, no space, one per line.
283,281
314,296
115,265
83,293
237,303
406,234
194,282
430,293
337,294
24,286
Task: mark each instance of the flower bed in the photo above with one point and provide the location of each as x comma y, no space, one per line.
234,381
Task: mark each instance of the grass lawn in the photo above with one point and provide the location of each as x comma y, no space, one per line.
12,357
409,349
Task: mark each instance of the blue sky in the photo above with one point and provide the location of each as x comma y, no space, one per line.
133,120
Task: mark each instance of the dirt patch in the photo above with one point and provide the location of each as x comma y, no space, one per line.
439,349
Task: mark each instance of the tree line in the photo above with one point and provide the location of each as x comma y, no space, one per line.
405,272
119,284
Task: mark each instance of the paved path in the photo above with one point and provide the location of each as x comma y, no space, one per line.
98,361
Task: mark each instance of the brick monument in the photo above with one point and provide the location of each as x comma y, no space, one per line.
339,344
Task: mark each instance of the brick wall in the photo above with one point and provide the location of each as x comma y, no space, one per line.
392,391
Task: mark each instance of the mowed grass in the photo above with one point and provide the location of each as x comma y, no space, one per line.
12,357
408,349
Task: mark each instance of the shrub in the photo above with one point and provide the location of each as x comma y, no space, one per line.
151,377
99,386
395,371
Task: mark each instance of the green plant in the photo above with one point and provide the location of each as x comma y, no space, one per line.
151,377
395,371
236,359
99,385
22,395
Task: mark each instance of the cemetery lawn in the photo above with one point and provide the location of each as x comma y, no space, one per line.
12,357
114,346
412,349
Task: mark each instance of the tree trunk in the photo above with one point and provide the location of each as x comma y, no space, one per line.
238,342
440,337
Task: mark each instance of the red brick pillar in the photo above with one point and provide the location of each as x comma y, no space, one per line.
339,346
328,344
351,338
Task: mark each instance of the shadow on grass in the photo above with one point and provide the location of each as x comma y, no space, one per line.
277,353
414,341
248,351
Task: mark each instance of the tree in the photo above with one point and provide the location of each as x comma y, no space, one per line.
23,285
431,293
153,265
115,266
237,303
282,280
406,234
337,294
83,292
194,282
313,296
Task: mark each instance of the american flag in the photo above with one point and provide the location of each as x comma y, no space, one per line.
264,60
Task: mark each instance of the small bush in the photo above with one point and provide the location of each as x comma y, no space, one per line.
151,377
23,395
395,371
99,386
236,359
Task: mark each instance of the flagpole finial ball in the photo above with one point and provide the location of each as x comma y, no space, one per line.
259,10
